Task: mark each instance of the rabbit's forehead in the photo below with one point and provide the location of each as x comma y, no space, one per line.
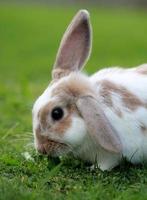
43,100
48,99
62,91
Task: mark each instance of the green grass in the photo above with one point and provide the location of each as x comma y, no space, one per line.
29,38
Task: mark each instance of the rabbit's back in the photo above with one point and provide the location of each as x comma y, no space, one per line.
133,80
123,94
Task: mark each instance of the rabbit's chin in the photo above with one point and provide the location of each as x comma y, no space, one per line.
53,148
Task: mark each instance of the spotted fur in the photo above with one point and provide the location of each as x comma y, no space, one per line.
105,115
130,101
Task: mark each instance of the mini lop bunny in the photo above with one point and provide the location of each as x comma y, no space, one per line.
101,118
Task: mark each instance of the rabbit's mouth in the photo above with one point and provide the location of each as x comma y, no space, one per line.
52,148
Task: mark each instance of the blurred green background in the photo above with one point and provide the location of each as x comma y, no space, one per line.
30,33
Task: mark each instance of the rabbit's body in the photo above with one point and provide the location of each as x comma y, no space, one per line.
123,96
101,118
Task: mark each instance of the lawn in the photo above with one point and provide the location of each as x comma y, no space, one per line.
29,38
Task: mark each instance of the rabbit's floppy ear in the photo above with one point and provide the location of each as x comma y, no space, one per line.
98,124
75,46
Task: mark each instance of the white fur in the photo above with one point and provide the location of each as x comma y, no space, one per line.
129,78
85,12
133,140
76,133
127,126
92,152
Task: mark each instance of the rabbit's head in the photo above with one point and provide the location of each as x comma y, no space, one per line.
68,110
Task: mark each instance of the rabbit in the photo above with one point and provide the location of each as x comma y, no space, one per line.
100,118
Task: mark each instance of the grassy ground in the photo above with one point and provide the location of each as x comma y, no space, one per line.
29,37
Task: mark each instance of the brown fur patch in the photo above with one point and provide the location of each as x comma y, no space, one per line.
119,113
62,126
59,73
74,88
52,147
46,146
40,140
38,136
43,114
65,123
142,70
56,126
129,99
106,94
143,128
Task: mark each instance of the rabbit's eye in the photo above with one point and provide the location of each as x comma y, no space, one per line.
57,113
